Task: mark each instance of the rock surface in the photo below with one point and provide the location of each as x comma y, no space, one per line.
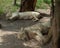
44,12
9,38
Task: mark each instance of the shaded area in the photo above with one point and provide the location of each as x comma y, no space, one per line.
11,41
16,25
10,29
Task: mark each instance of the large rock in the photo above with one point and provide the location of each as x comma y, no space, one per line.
36,32
32,38
46,21
46,24
44,12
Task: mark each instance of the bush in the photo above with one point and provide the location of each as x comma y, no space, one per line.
47,1
42,3
1,11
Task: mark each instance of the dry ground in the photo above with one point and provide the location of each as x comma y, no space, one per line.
8,32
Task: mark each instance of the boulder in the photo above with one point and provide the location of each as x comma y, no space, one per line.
31,38
46,21
46,24
44,12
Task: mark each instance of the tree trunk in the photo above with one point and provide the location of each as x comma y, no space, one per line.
0,26
56,25
27,5
15,2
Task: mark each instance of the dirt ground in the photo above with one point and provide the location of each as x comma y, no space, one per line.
9,30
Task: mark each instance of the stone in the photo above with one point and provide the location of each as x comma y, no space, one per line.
46,21
37,31
13,16
44,12
46,24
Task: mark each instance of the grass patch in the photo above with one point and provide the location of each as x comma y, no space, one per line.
6,5
43,4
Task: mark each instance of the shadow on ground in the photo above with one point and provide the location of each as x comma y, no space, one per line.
16,25
9,30
11,41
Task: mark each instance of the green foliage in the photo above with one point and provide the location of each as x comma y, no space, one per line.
8,5
43,3
1,11
39,2
47,1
